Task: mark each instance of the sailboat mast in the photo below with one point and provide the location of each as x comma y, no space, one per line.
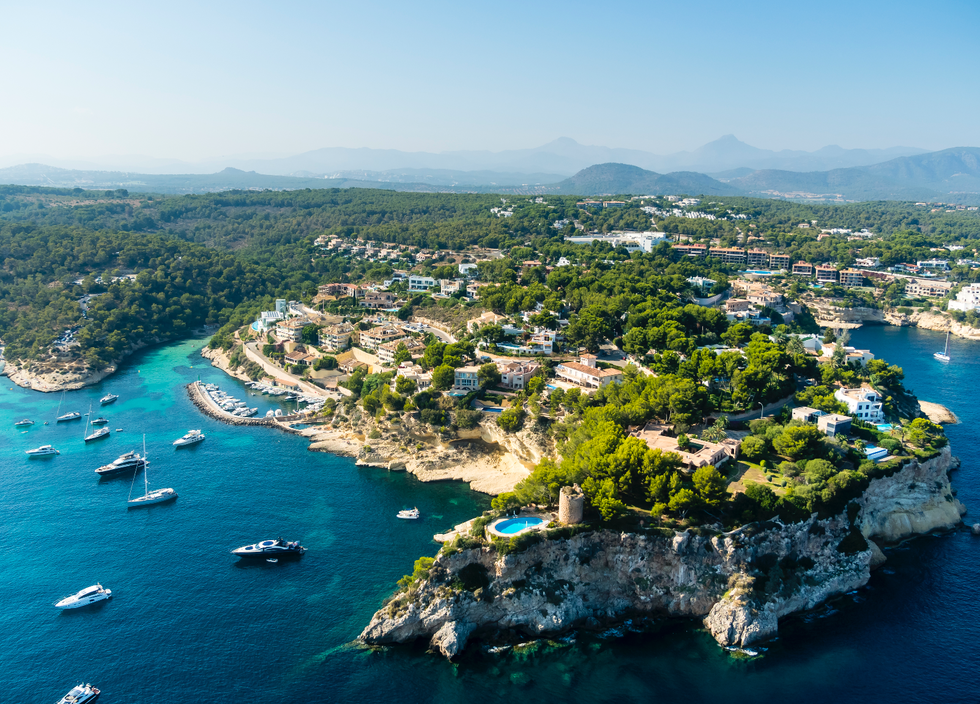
146,483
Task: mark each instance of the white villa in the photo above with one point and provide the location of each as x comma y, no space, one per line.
863,403
967,299
586,373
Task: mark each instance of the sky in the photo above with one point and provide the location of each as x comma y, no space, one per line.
194,81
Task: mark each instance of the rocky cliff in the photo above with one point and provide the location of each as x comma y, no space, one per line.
739,583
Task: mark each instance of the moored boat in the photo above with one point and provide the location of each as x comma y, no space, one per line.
42,451
100,421
80,694
270,548
89,595
107,399
157,496
192,437
23,423
98,434
128,462
944,355
74,415
409,514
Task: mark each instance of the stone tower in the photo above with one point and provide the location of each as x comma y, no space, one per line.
571,504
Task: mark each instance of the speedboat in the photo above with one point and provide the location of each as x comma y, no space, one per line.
270,548
22,423
74,415
98,434
89,595
100,421
157,496
191,438
42,451
410,514
128,462
81,694
107,399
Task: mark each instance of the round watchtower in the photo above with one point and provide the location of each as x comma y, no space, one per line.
571,505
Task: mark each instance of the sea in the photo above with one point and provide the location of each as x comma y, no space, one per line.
189,622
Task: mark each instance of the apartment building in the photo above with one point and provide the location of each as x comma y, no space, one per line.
779,261
757,257
378,300
967,299
291,330
802,269
851,277
386,352
729,255
375,337
927,287
335,338
826,273
692,250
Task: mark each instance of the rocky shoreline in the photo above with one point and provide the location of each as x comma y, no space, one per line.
739,584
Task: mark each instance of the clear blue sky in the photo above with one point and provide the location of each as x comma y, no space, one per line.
199,80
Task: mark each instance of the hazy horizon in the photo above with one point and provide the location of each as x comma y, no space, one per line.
198,83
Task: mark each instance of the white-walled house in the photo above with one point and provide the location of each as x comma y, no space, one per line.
586,373
862,403
967,299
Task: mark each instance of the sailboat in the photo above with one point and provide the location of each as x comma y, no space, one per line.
73,415
98,434
944,355
156,496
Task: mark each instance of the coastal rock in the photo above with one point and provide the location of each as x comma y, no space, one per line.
739,583
877,556
451,637
938,413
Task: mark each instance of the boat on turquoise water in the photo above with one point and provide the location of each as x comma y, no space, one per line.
81,694
107,399
74,415
23,423
411,514
86,597
157,496
42,451
270,548
98,434
944,355
128,462
192,437
100,421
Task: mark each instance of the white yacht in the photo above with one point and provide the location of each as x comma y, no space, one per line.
82,694
270,548
129,462
42,451
157,496
98,434
74,415
191,438
89,595
23,423
409,515
944,355
101,420
107,399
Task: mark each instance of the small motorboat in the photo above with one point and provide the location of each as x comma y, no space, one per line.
270,548
107,399
23,423
409,515
272,560
42,451
118,430
100,421
89,595
82,694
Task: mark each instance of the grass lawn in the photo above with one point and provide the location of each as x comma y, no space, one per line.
751,472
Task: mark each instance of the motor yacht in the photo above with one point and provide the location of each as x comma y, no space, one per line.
81,694
89,595
409,515
23,423
129,462
191,438
74,415
107,399
100,421
98,434
270,548
42,451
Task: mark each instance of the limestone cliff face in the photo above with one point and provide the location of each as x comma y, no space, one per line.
740,583
931,321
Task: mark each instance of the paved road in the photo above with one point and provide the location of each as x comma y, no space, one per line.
275,372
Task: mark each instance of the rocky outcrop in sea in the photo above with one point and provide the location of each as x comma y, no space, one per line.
738,583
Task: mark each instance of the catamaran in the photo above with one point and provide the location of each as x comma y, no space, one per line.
944,355
156,496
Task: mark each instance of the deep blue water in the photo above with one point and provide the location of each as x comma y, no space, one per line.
189,623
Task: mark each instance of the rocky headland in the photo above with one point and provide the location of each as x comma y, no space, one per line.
828,315
739,584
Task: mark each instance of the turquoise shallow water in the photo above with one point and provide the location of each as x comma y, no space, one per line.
189,623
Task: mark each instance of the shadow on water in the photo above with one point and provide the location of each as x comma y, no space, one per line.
252,563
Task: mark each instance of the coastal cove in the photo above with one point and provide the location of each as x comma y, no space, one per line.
185,614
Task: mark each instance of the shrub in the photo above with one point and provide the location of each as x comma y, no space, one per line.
511,420
753,447
420,573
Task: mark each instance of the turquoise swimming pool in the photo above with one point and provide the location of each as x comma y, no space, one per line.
516,525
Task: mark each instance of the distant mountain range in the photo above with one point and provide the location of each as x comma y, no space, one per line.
545,164
951,175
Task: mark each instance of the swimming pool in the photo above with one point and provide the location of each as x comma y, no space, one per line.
884,427
513,526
